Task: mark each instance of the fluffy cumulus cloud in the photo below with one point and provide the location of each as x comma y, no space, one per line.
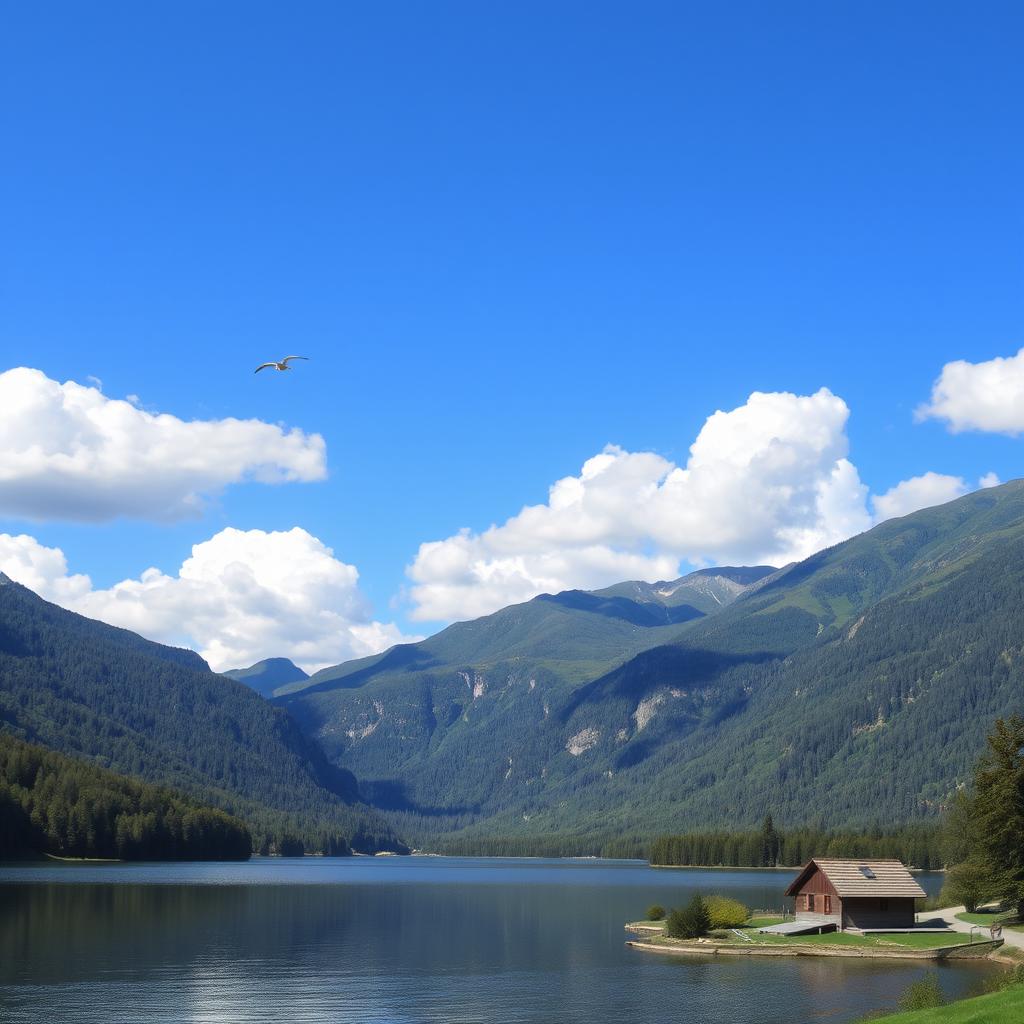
242,596
69,452
924,491
42,569
916,493
766,482
986,396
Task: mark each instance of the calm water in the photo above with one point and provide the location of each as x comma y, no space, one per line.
397,940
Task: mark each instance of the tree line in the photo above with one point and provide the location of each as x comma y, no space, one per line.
919,845
52,804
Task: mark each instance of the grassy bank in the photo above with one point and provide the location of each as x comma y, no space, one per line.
1006,1007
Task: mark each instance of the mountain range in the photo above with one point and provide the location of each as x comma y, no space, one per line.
852,688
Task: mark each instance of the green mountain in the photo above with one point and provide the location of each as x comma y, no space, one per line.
453,713
157,713
850,689
268,675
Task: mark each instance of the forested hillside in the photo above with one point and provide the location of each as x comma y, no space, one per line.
852,689
66,807
438,727
104,694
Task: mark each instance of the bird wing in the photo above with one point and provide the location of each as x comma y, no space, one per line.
263,366
286,358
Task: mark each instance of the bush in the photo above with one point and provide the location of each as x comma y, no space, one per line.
655,912
923,994
689,922
969,883
726,913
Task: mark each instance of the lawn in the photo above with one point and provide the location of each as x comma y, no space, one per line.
1006,1007
924,940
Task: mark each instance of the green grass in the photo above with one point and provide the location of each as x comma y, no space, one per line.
763,922
927,940
985,917
1006,1007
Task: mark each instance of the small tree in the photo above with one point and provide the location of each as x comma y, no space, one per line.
689,922
655,912
969,883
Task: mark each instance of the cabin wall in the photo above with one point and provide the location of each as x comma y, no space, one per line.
818,886
873,912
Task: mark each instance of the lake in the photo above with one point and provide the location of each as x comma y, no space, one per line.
404,940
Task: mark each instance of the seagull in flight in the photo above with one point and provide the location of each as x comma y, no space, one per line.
283,365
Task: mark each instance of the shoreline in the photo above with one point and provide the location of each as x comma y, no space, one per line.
963,951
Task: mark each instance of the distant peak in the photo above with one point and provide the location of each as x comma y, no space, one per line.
4,578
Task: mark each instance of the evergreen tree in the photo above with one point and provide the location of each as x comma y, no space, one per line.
769,844
689,922
999,809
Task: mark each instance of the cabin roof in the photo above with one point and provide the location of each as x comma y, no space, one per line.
861,877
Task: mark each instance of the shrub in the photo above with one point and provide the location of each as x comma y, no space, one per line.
969,883
923,994
655,912
689,922
725,912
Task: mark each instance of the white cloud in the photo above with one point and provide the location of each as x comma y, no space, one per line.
69,452
242,596
986,396
42,569
916,493
924,491
767,482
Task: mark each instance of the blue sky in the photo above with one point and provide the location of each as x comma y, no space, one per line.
506,235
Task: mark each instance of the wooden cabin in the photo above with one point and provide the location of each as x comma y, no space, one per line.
860,894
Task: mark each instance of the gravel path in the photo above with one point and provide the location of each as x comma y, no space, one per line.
1010,937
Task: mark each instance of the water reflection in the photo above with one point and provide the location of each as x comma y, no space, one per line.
415,941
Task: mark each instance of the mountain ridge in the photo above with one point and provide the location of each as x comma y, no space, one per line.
268,675
489,731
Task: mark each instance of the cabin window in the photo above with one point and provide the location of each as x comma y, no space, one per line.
828,904
883,904
810,901
866,871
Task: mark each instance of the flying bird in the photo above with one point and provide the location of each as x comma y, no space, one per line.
283,365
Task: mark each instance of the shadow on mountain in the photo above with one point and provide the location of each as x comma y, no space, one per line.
662,666
391,795
403,657
634,612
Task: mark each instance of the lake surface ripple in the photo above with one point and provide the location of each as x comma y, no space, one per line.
402,941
